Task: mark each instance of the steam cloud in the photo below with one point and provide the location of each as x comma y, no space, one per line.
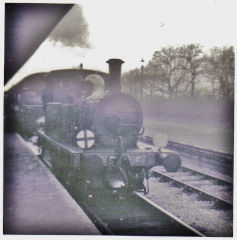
72,31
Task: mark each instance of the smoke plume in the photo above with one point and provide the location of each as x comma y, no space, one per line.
72,30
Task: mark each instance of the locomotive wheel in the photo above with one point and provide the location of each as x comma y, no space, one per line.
172,162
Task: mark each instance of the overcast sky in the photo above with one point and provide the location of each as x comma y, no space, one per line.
134,29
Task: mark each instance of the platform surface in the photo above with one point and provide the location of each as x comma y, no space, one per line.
34,201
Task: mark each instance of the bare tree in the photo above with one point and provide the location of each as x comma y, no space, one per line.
175,71
192,54
171,70
152,82
131,82
220,67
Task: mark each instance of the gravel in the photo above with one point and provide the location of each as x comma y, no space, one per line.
199,214
206,169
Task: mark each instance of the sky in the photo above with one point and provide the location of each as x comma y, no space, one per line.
134,29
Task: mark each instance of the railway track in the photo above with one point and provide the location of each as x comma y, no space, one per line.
208,187
132,214
205,176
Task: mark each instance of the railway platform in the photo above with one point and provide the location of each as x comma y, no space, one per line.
34,201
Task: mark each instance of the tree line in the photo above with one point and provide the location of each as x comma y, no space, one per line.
185,70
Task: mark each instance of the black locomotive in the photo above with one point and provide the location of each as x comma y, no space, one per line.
91,132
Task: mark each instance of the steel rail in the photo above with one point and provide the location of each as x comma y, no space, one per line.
154,220
159,208
207,175
203,194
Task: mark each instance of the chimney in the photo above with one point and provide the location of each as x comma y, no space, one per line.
114,84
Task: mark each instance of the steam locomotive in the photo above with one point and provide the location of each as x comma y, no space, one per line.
92,137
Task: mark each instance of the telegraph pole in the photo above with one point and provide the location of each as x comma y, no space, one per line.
142,73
